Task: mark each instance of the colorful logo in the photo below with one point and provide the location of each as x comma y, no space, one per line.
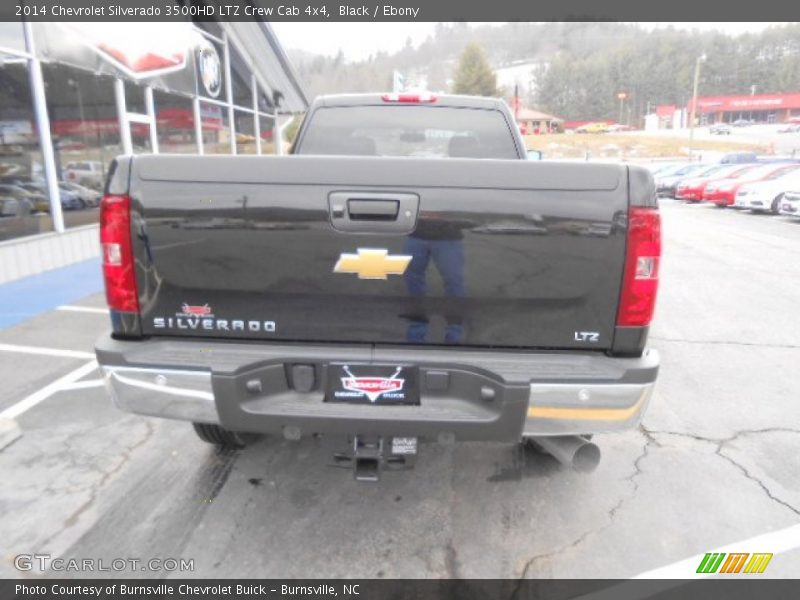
372,387
720,562
195,311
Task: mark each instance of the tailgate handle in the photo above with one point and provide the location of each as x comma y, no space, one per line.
367,211
373,210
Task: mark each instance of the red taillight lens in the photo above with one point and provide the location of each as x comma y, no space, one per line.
640,280
410,98
115,241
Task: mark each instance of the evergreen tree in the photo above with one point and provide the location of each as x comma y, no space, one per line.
474,75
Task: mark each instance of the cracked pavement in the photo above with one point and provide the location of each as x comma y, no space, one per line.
714,462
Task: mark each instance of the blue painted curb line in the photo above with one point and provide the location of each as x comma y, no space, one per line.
26,298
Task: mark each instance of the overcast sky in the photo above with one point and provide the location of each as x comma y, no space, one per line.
359,40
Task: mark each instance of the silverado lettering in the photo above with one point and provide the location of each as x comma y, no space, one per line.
212,324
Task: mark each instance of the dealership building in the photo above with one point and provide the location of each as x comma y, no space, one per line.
761,108
711,110
75,95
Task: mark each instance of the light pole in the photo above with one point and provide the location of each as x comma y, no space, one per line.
700,59
621,96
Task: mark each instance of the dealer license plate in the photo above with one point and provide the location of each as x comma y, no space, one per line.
372,384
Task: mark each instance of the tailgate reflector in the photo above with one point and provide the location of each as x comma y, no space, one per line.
640,279
115,241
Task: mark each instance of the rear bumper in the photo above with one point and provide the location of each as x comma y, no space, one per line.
665,191
488,396
756,205
693,195
720,198
753,201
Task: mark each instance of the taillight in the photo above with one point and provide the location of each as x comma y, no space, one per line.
640,280
410,98
115,241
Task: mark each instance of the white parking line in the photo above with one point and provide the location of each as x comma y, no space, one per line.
88,309
82,385
45,351
35,398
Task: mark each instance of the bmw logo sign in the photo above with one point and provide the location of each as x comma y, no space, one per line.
210,69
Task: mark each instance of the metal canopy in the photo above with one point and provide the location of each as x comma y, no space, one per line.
257,42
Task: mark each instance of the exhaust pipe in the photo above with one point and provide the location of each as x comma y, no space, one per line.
571,450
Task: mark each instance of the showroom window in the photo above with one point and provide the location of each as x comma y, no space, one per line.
267,122
73,82
175,123
24,209
135,104
85,133
240,80
214,125
245,133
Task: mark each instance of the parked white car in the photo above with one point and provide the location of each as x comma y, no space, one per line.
765,196
790,205
88,173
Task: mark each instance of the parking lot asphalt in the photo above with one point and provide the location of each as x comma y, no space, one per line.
714,465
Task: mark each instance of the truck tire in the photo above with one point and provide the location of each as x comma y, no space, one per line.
217,436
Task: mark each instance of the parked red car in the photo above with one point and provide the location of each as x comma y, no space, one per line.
723,191
692,189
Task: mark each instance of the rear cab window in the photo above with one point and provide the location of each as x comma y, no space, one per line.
408,130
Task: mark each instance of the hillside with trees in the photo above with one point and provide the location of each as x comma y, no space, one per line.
582,65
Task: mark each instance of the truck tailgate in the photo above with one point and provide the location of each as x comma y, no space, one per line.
492,253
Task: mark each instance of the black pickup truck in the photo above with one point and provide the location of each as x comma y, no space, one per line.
406,274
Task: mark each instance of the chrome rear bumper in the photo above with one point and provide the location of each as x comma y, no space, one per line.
556,408
166,393
578,409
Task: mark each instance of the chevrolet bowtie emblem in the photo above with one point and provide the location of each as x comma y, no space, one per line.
372,263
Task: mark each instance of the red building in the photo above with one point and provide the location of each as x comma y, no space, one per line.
666,115
534,121
762,108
